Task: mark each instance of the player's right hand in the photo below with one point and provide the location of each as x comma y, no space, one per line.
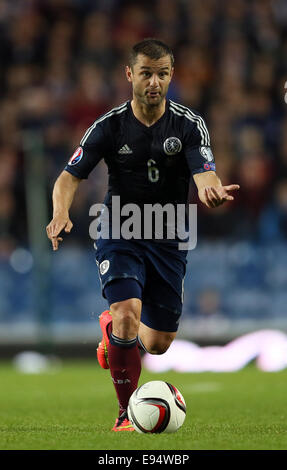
58,223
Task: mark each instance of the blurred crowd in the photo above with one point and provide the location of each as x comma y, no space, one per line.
62,65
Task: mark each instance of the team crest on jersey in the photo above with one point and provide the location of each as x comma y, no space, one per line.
206,152
104,266
76,157
172,146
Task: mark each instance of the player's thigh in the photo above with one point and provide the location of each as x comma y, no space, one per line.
161,311
119,260
155,341
163,292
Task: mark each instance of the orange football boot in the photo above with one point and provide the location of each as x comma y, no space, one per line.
102,351
123,424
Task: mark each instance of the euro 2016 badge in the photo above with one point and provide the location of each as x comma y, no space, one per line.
172,146
76,157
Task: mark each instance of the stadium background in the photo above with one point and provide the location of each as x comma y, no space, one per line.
62,64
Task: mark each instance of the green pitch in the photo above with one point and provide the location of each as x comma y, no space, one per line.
75,408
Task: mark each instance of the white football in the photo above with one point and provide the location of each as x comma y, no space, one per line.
156,407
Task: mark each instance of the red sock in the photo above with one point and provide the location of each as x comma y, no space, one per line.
125,368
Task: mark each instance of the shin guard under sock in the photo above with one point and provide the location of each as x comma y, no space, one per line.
125,368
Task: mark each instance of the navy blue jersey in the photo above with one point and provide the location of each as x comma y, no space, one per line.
146,165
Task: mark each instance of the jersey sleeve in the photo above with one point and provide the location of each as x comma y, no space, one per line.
91,150
198,151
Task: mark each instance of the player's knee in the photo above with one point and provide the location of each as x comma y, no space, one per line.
159,347
126,319
155,342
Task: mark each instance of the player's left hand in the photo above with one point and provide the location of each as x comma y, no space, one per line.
215,196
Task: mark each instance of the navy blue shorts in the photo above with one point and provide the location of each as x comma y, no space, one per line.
158,268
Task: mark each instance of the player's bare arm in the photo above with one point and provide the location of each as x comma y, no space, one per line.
63,195
211,191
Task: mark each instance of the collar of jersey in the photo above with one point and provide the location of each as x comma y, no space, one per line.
153,125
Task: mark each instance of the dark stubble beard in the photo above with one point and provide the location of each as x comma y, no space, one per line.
142,98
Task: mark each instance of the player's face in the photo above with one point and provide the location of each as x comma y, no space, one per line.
150,79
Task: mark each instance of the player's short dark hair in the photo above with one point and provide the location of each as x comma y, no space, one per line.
152,48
